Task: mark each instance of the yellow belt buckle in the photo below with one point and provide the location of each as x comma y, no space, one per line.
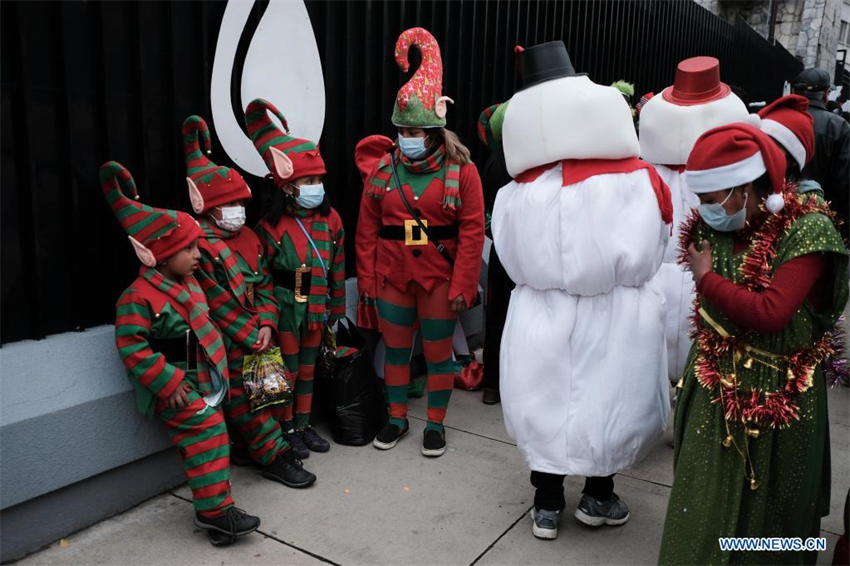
409,240
299,298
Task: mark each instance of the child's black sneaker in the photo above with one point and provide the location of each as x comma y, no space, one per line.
313,441
288,470
434,443
224,529
295,442
389,436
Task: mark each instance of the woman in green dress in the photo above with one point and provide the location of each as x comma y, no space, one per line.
751,446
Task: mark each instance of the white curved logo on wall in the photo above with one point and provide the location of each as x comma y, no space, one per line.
282,65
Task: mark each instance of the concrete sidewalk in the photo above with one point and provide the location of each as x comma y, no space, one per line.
371,507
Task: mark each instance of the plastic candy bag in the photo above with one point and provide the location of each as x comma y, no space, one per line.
266,380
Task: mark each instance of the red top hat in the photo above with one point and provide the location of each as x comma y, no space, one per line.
697,82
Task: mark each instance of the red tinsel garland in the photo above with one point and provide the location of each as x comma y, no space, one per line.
777,408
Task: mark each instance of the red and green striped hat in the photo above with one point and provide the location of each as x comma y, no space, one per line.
420,103
156,233
490,125
287,157
215,184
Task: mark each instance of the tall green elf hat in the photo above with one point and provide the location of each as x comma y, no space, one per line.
490,125
156,233
210,185
287,157
419,103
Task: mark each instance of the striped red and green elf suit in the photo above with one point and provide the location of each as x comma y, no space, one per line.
411,281
235,278
301,323
155,308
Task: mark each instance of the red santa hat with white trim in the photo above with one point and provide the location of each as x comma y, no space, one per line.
733,155
788,121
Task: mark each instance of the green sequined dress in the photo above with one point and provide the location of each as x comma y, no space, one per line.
712,493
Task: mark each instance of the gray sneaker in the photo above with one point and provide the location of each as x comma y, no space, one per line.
595,513
545,523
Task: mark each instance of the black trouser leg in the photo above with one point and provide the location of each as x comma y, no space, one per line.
599,488
498,299
550,491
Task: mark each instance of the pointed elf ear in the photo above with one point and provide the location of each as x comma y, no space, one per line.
282,164
143,253
440,109
195,196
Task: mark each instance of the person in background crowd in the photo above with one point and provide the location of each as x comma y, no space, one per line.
787,121
751,447
495,176
426,275
236,281
670,124
305,245
581,230
174,352
831,163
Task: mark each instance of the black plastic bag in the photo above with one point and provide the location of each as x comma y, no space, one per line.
355,393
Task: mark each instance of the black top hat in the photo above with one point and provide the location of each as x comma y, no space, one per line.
544,62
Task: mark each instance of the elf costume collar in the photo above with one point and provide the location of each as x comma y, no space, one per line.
156,233
210,185
287,157
418,176
420,103
189,300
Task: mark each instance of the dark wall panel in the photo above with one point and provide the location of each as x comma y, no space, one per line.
85,82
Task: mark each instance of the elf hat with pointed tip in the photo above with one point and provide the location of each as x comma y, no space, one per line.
733,155
420,103
156,233
215,184
788,121
287,157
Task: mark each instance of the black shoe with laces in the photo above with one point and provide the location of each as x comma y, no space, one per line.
434,443
389,436
224,530
313,441
288,470
293,438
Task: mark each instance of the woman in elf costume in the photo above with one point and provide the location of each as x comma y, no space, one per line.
236,280
174,353
751,445
425,276
304,241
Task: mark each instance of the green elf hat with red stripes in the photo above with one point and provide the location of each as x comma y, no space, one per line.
287,157
420,103
156,233
210,185
490,125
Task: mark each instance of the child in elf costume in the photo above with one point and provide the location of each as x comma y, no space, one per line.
236,280
304,241
174,353
413,277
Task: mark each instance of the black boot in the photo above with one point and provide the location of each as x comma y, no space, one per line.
224,530
288,470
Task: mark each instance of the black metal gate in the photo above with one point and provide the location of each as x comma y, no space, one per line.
84,82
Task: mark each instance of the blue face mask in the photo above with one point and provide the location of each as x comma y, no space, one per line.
413,148
310,196
715,215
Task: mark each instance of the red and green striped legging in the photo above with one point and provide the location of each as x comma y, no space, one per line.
259,430
300,358
200,435
399,311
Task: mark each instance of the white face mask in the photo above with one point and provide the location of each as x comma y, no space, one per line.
310,196
232,218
